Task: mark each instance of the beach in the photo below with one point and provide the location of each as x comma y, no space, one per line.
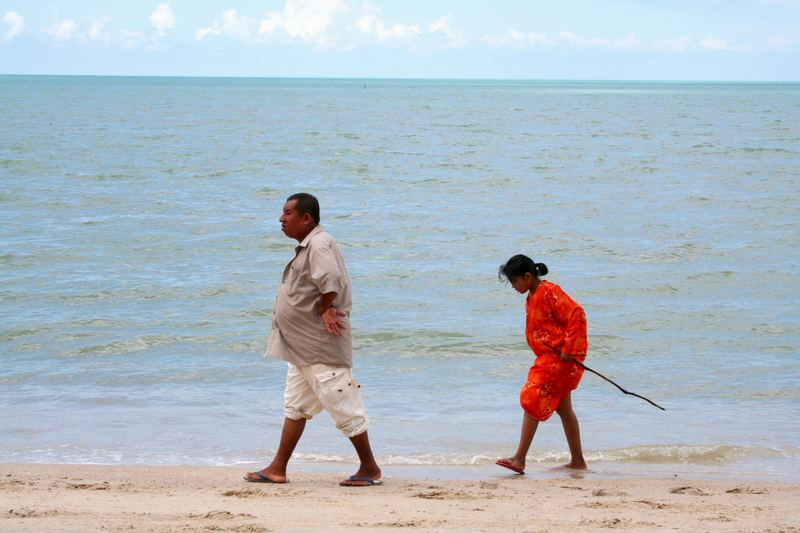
81,498
142,254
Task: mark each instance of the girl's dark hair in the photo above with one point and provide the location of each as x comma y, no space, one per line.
519,265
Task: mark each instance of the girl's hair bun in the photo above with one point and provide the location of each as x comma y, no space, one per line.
541,269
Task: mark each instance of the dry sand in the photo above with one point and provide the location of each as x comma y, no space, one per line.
77,498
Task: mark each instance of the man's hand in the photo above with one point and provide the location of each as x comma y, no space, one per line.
332,320
331,316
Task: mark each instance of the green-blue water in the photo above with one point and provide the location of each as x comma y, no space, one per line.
141,254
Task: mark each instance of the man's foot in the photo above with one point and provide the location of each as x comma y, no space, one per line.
511,464
365,477
355,481
264,477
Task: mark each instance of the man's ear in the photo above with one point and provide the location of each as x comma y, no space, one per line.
307,218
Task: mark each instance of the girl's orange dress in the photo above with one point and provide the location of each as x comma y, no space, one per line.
554,319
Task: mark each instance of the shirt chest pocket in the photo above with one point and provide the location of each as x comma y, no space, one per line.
297,275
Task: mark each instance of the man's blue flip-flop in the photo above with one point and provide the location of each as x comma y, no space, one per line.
354,481
264,479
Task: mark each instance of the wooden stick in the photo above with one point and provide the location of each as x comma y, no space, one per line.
617,386
605,378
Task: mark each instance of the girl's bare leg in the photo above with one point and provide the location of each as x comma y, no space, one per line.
573,433
529,425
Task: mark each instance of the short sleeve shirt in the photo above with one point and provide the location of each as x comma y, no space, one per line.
298,334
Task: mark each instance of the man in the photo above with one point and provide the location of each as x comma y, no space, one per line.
310,331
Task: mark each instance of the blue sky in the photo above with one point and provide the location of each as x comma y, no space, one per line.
515,39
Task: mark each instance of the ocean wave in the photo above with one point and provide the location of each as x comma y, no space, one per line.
134,345
685,454
701,456
678,454
674,254
763,149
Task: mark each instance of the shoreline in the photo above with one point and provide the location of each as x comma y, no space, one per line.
487,470
81,498
550,470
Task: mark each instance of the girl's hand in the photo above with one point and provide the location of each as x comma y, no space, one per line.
564,356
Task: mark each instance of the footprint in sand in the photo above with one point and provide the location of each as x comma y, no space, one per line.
243,493
610,523
411,523
693,491
604,492
445,495
30,513
654,505
747,490
221,515
89,486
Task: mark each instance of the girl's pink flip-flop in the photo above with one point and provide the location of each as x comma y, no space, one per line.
507,464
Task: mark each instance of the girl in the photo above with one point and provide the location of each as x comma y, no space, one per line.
555,328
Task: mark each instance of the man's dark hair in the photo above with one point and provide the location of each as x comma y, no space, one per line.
306,203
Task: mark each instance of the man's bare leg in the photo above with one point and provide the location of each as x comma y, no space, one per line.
290,436
368,469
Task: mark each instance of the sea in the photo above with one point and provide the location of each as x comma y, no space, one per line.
140,255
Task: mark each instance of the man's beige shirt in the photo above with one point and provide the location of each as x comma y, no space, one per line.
298,334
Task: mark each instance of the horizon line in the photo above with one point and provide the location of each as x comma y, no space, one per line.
379,78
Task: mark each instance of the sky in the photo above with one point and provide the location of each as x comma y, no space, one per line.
729,40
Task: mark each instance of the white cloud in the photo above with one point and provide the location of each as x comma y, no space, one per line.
307,20
372,26
233,25
570,38
442,25
133,39
719,44
15,23
163,18
580,41
96,32
630,42
714,43
676,45
518,39
62,30
202,33
325,24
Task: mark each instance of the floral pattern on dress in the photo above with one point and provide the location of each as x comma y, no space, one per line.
554,322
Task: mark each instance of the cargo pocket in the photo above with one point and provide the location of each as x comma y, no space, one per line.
334,386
